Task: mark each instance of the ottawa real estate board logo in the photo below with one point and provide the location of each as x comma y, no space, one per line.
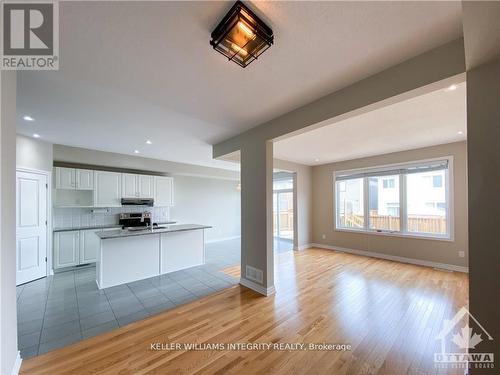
30,38
461,344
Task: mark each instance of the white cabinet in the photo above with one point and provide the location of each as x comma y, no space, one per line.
137,186
145,185
66,249
74,179
65,178
89,245
84,179
163,191
129,185
107,189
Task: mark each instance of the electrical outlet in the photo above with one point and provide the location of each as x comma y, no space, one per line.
461,254
323,236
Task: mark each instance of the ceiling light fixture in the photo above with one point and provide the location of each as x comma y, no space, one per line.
460,132
241,36
316,159
136,151
28,118
149,142
451,88
35,135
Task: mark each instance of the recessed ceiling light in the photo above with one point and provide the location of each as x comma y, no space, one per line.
148,142
136,151
460,132
316,159
451,88
28,118
35,135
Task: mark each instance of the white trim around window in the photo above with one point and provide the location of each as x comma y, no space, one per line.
402,170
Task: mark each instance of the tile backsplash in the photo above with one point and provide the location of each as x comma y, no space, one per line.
84,217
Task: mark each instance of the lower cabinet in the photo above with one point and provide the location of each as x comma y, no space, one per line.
75,247
66,249
89,245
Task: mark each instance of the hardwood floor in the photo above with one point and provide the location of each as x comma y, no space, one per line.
389,312
234,271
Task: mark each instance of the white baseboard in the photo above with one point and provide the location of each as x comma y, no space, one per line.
17,364
419,262
256,287
303,247
223,239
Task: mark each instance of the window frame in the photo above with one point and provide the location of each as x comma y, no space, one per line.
403,203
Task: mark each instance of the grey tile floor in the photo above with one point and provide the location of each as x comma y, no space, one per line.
59,310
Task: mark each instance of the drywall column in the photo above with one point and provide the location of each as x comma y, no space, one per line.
482,54
9,355
257,213
483,137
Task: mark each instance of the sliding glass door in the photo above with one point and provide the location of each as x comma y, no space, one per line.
283,214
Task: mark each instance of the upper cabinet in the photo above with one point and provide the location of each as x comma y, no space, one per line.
137,186
129,185
164,191
107,189
89,188
84,179
146,186
65,178
74,179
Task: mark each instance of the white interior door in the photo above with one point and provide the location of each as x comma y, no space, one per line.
31,226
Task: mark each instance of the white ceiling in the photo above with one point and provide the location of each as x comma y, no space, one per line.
435,118
131,71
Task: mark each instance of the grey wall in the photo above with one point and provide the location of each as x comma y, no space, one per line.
482,53
8,317
110,159
33,154
209,201
257,211
422,249
483,129
303,202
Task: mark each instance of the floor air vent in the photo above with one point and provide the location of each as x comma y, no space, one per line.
254,274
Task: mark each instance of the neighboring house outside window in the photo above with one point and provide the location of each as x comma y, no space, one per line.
424,193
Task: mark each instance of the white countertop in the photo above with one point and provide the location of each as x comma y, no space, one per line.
119,233
64,229
85,227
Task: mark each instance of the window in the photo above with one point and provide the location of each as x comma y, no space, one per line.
281,184
437,181
350,204
393,209
410,199
426,206
389,183
383,198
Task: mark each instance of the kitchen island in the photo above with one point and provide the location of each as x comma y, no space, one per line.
130,255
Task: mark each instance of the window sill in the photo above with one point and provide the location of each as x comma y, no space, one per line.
397,234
